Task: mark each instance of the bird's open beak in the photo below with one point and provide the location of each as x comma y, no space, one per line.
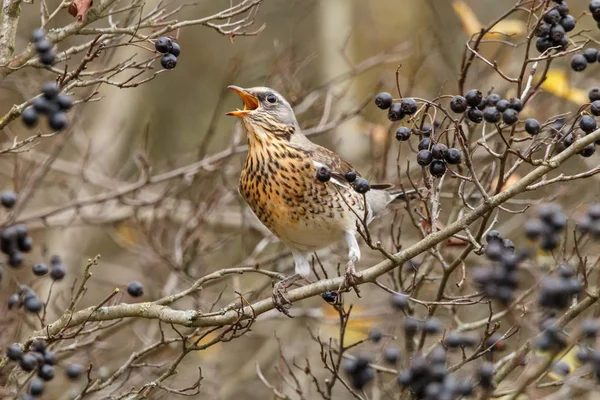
250,101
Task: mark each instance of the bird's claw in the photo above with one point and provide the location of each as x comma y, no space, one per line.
280,300
351,279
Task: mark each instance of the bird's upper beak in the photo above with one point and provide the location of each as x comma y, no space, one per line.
250,101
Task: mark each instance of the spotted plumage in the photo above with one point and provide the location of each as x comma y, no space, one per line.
279,182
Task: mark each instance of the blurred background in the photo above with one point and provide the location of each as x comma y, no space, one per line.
330,55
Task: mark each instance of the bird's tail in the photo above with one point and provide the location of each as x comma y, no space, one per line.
381,195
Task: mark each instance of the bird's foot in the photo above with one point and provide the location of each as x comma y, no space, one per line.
351,278
280,300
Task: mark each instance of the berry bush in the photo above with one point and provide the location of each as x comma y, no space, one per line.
148,279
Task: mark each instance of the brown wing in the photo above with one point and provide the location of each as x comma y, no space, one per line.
338,166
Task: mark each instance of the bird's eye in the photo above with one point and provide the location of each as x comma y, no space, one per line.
271,98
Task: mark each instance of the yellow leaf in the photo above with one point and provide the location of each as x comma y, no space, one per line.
126,234
557,83
209,351
357,328
569,358
471,23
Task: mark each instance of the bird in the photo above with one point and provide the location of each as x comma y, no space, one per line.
279,182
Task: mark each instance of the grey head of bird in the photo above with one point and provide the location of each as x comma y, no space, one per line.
266,115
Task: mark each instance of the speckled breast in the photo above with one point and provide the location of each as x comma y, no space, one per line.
281,188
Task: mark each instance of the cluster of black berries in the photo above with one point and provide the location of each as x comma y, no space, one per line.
588,124
14,241
360,184
499,281
171,51
436,155
590,223
557,293
492,108
552,338
44,48
579,62
359,370
552,31
396,110
546,228
428,378
51,103
26,298
586,354
43,361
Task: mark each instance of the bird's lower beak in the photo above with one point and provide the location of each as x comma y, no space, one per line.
250,101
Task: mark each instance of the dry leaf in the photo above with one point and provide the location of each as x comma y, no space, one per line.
557,83
79,8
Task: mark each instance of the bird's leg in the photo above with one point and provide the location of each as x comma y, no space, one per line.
353,258
280,300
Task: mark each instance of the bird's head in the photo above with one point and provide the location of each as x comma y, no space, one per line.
266,113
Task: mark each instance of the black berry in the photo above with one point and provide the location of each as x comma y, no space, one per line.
391,355
361,185
458,104
38,35
33,305
29,117
492,99
74,371
594,94
43,46
475,115
543,44
510,116
323,173
14,352
473,97
330,296
168,61
40,269
395,112
50,90
163,45
176,50
453,156
567,22
437,168
375,335
557,33
57,271
552,16
502,105
491,115
516,104
588,150
532,126
408,106
58,121
64,101
384,100
8,198
439,151
543,30
400,301
591,55
424,157
46,372
36,388
403,134
595,108
578,63
135,288
424,144
28,362
587,124
350,176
